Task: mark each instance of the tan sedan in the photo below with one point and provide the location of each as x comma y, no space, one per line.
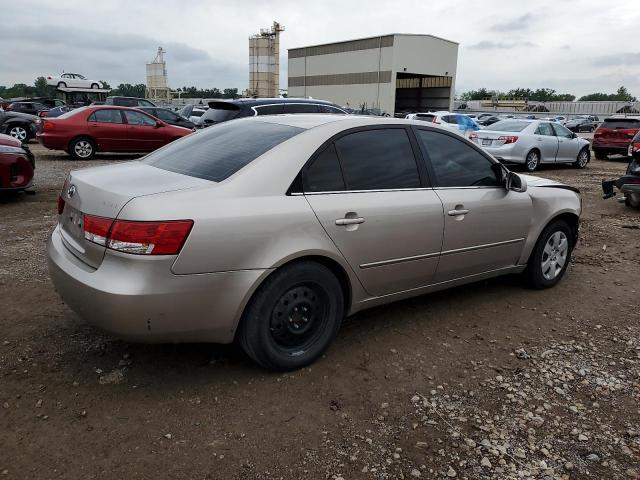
272,229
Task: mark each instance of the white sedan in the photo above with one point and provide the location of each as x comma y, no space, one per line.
73,80
532,142
456,122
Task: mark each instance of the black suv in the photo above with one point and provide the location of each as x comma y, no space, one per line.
32,108
172,118
223,110
128,102
21,126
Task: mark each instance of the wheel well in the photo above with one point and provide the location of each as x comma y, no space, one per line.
535,149
572,220
87,137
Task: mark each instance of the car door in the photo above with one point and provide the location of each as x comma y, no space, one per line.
107,128
546,141
374,201
143,132
485,225
568,144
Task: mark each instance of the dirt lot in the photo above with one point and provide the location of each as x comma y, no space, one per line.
489,380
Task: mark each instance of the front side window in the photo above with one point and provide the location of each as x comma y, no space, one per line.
562,131
300,108
455,163
545,129
138,118
323,174
166,115
218,152
105,116
378,159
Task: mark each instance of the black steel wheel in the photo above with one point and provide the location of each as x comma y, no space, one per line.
293,316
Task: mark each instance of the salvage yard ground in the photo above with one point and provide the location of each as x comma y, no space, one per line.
489,380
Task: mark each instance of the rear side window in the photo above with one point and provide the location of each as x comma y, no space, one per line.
324,174
269,109
621,123
166,115
329,109
218,152
545,129
378,159
455,163
105,116
450,119
300,108
425,118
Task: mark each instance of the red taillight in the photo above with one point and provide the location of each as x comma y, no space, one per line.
508,139
635,147
47,125
436,120
143,238
43,113
60,204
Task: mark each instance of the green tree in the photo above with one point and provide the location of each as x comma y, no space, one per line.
105,84
42,89
230,93
621,95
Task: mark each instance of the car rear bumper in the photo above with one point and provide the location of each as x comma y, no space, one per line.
506,153
139,299
16,171
52,142
619,147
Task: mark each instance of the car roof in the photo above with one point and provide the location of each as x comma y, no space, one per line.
270,101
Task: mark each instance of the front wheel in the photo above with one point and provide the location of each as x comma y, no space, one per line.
20,132
95,85
532,161
551,256
62,85
293,316
583,158
82,149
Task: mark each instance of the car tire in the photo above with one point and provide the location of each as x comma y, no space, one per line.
632,200
20,132
532,161
583,158
82,148
552,250
95,85
292,317
600,154
62,85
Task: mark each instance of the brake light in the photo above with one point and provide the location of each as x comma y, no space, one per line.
43,113
142,238
60,204
508,139
47,125
436,120
635,147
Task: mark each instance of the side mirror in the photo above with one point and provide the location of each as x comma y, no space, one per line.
516,183
574,135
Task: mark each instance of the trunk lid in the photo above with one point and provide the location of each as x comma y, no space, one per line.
103,191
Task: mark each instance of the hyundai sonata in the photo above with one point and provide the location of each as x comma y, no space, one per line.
272,229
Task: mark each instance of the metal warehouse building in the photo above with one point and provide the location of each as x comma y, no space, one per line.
395,72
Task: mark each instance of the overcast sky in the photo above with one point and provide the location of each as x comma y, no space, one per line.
573,46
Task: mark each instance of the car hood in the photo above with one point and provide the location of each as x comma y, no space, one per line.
26,116
9,141
533,181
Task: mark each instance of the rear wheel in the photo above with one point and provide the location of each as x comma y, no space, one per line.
583,158
551,256
600,154
532,161
95,85
20,132
293,316
82,148
62,85
632,200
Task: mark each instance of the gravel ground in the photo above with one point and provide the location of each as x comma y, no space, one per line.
489,380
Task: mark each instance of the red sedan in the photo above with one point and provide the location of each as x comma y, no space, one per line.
101,128
16,164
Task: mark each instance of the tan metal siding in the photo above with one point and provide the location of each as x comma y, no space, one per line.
341,47
341,79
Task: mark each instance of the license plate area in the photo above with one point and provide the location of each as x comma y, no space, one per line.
486,141
73,223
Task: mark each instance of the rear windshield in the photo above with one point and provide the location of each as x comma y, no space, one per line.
197,113
220,112
509,126
218,152
71,113
621,123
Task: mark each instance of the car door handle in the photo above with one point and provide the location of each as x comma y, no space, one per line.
539,139
349,221
457,212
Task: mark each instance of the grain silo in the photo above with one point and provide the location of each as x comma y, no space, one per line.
157,84
264,62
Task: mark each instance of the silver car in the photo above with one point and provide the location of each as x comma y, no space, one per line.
272,229
532,142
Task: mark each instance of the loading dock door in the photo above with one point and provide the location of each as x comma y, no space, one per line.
422,93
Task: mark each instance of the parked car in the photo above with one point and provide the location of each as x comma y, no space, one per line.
532,142
560,119
614,135
456,122
629,183
581,125
172,118
87,130
32,108
73,80
20,126
54,112
224,110
270,230
192,112
16,164
593,118
129,102
490,120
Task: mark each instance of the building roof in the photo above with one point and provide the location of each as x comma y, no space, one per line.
377,36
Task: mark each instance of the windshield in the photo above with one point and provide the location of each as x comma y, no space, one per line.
218,152
509,126
621,123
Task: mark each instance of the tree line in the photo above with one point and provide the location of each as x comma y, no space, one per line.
547,95
41,89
